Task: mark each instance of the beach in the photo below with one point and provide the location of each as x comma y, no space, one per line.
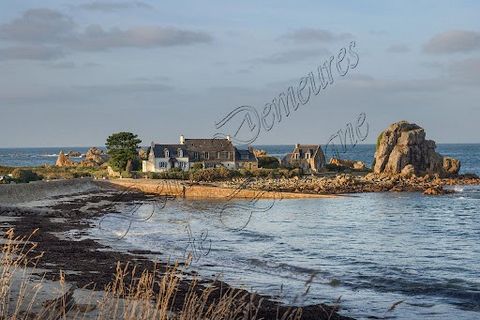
63,213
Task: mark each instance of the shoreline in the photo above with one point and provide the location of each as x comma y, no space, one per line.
91,265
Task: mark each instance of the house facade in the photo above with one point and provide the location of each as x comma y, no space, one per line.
309,157
210,153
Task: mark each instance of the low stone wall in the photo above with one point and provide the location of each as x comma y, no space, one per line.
183,189
38,190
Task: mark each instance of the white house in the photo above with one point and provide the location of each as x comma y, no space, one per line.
210,153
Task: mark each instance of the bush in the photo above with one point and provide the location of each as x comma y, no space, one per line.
268,162
197,166
126,174
24,175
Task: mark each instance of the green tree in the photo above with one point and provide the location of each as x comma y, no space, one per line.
121,147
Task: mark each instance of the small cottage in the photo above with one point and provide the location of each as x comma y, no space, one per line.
309,157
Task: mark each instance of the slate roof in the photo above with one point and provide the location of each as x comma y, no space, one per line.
244,155
195,149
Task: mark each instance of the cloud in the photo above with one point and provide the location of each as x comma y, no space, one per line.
96,38
38,26
44,34
453,41
37,52
127,88
309,35
108,6
293,56
398,48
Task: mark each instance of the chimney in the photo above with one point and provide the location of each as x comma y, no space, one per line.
182,139
228,137
297,145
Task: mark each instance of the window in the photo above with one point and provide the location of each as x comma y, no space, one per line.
295,156
223,155
180,153
195,155
167,153
206,155
307,155
162,164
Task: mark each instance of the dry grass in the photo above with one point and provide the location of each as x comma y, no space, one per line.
150,294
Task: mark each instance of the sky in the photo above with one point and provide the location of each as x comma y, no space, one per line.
74,72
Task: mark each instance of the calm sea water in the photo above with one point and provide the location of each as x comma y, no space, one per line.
371,250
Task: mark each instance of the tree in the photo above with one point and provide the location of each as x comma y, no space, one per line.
122,147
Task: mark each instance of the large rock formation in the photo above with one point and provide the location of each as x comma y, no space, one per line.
63,160
402,145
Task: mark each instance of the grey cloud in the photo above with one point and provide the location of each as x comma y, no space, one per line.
109,6
293,56
38,26
398,48
96,38
453,41
37,52
127,88
308,35
41,28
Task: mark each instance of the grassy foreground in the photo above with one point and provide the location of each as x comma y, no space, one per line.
151,294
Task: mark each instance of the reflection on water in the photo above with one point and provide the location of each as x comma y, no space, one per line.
370,249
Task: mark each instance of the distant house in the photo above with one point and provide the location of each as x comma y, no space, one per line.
309,157
210,153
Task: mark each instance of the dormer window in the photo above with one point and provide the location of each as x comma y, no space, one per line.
307,155
180,153
167,153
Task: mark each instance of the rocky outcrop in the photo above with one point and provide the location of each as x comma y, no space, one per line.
403,144
94,157
72,153
356,165
64,161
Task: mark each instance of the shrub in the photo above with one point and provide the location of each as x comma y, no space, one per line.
126,174
268,162
197,166
24,175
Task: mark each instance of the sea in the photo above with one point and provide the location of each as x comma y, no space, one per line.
376,255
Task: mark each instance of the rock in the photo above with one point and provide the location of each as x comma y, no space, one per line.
94,157
408,171
356,165
403,144
451,166
435,190
113,173
73,154
63,160
359,165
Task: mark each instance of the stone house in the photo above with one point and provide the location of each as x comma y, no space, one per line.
210,153
309,157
